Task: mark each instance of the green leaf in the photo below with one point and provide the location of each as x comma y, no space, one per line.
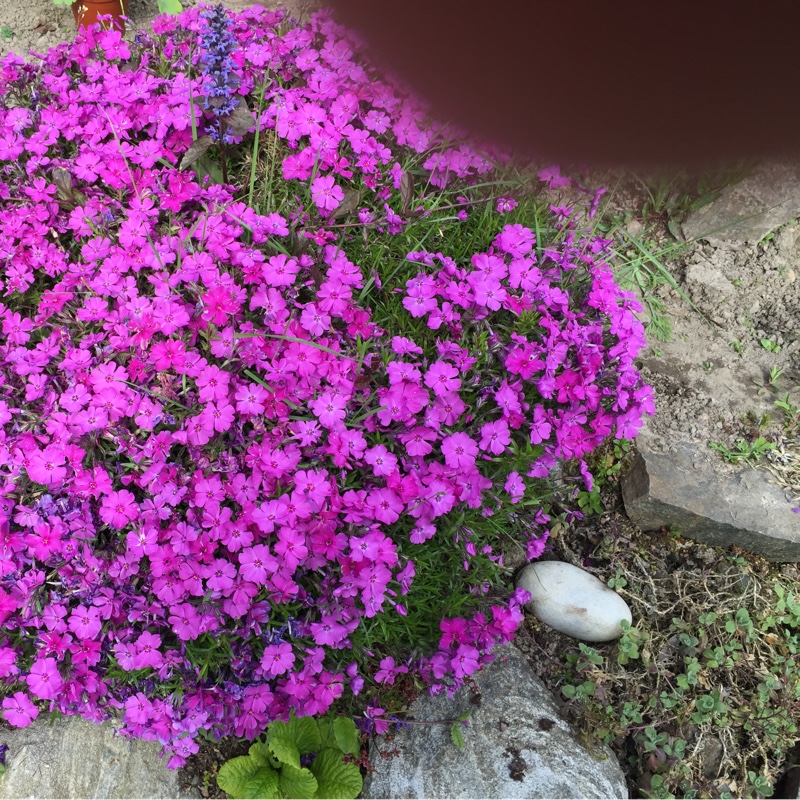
298,783
703,201
346,734
169,6
675,229
327,739
264,784
259,752
285,750
303,731
457,736
234,775
336,780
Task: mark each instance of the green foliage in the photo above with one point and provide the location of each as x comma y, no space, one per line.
6,33
742,450
456,736
302,758
169,7
713,658
769,345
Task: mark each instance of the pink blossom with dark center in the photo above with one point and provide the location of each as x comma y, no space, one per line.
19,711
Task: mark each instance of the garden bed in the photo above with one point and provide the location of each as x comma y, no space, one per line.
373,368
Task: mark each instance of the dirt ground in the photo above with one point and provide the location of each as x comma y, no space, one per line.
715,368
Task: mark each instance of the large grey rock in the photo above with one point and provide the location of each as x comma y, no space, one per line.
573,601
515,746
749,210
73,758
684,488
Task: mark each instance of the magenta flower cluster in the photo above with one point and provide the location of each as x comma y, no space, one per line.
206,483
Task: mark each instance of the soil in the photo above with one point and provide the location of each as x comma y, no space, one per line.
198,776
715,368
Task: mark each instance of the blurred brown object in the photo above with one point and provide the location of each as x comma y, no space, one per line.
634,84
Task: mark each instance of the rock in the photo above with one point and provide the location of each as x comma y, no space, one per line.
516,745
573,601
708,278
711,757
75,758
681,488
634,227
751,209
789,785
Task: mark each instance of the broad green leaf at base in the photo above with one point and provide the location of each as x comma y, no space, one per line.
264,784
337,780
302,731
346,733
298,784
234,775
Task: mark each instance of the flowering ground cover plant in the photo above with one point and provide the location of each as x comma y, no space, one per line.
259,445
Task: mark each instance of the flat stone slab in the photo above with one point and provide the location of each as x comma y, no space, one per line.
719,507
73,758
516,745
749,210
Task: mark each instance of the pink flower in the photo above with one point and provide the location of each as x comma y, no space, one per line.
381,460
505,204
47,467
465,661
219,416
19,711
171,353
328,631
256,563
515,486
313,320
540,427
147,652
418,441
495,437
138,709
8,658
44,679
326,194
329,409
459,450
385,504
389,671
280,271
277,658
442,378
85,622
291,546
118,509
213,384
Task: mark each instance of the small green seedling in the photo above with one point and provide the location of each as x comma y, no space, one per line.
6,33
774,374
768,344
302,758
737,346
743,451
